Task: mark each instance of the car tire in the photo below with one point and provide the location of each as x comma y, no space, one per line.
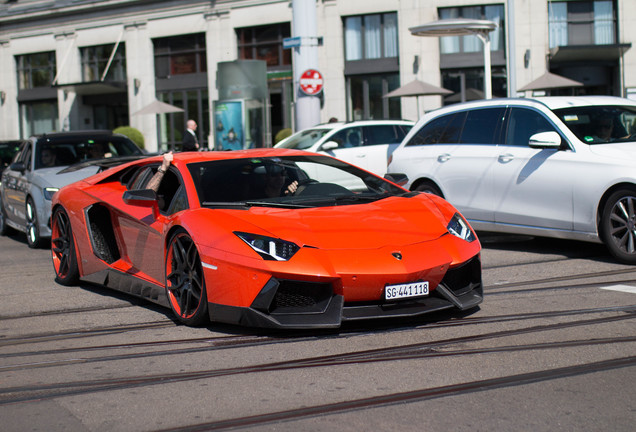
32,225
429,187
618,225
4,228
63,249
185,282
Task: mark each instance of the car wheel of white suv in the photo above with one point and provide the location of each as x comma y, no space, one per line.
618,225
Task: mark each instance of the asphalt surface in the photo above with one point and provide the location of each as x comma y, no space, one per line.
553,347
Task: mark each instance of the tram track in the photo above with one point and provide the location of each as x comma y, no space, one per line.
23,394
408,397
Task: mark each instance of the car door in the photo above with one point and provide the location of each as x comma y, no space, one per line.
16,186
457,151
532,186
142,234
349,140
378,143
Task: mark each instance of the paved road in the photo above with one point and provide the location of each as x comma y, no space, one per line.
553,347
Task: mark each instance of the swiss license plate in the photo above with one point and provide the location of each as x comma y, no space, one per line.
416,289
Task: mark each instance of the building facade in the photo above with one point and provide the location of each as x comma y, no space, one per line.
90,64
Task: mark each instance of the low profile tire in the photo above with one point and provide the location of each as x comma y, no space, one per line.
63,249
428,187
32,228
185,283
618,225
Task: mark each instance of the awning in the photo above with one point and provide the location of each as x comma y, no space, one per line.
587,53
94,87
550,81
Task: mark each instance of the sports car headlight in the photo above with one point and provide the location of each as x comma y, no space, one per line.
459,228
269,248
49,192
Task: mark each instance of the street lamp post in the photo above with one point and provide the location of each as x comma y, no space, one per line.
462,27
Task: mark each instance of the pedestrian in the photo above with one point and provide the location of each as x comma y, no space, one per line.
190,141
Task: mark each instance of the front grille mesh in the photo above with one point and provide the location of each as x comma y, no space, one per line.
300,296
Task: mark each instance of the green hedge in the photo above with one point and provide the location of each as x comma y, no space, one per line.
282,134
132,133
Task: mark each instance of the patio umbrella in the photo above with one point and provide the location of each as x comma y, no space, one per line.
418,88
549,81
158,107
470,94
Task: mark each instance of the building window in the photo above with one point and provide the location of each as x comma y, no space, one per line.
36,70
581,23
370,37
468,83
180,55
265,43
364,96
471,44
95,60
38,117
372,66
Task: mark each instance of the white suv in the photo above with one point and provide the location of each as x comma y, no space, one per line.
367,143
555,166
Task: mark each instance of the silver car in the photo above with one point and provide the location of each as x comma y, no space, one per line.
41,168
556,166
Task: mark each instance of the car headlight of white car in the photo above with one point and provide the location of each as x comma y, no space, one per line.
49,192
460,228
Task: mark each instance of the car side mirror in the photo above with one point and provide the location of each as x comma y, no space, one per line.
143,198
545,140
18,166
329,145
397,178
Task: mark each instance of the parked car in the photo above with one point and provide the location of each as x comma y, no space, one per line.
225,238
8,149
41,168
554,166
367,144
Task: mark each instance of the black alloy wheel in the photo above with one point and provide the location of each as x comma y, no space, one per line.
63,249
185,283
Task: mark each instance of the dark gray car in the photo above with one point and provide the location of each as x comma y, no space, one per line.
41,168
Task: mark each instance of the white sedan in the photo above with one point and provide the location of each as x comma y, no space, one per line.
366,143
554,166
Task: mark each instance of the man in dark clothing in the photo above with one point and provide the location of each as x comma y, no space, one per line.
190,141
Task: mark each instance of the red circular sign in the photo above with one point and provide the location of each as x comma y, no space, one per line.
311,82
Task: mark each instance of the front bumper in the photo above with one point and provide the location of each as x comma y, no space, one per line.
307,305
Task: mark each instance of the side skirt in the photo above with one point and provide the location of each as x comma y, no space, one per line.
129,284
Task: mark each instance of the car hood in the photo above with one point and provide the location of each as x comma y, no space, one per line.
51,177
623,151
395,221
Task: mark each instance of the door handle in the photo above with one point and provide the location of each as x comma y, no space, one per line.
506,157
443,157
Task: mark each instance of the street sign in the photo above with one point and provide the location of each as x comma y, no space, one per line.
291,42
311,82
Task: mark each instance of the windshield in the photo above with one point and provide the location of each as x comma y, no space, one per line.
304,139
600,124
293,181
65,150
